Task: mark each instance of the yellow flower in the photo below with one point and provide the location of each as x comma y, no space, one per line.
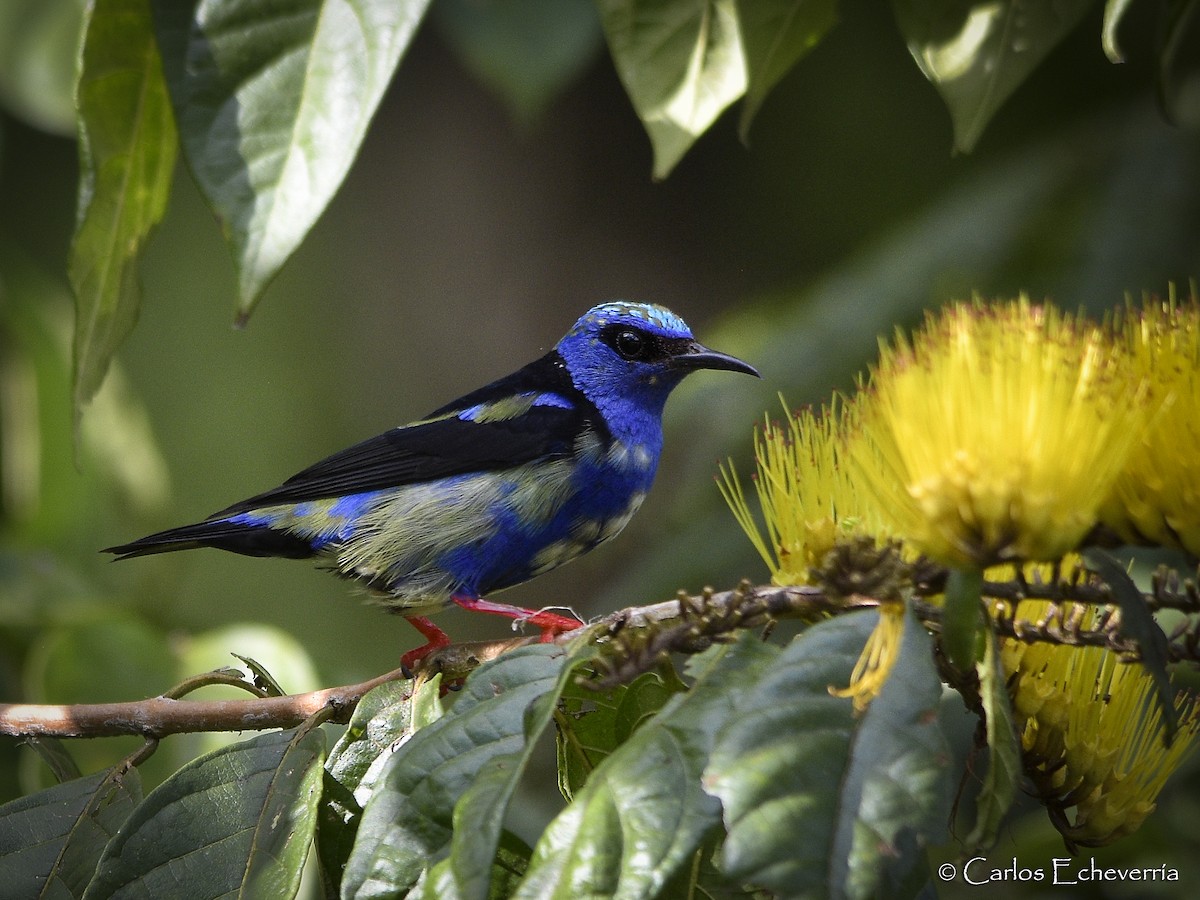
878,657
996,432
1156,498
809,498
1090,729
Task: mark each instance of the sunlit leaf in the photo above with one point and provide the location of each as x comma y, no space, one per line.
977,53
643,813
1114,12
273,101
383,719
444,792
127,146
527,51
681,62
50,841
776,34
237,822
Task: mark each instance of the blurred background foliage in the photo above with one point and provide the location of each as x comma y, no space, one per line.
499,193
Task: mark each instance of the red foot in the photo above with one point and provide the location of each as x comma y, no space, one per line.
551,624
435,639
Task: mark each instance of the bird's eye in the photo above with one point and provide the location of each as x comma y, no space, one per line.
630,344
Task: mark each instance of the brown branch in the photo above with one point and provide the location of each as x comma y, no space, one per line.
160,716
635,638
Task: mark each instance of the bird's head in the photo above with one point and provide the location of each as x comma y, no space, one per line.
636,353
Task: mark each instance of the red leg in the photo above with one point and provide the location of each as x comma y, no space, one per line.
435,639
552,624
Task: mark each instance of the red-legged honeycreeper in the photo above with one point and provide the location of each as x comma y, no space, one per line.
506,483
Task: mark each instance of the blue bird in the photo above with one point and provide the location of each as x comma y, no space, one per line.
505,483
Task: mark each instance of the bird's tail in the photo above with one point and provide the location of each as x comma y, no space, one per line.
222,534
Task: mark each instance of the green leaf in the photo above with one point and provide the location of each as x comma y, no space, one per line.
53,752
38,44
895,796
127,146
592,724
776,35
1004,756
445,791
681,63
380,722
643,813
818,802
236,822
1138,624
273,101
51,841
977,53
527,51
509,867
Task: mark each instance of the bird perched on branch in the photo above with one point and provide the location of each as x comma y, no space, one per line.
510,481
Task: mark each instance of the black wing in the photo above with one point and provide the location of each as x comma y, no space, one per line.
445,445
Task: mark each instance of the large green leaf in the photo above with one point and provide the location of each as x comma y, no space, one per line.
681,63
643,814
896,796
977,53
444,793
235,823
127,146
381,721
527,51
50,841
776,34
819,803
273,100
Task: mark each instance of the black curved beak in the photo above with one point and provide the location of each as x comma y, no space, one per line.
696,356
